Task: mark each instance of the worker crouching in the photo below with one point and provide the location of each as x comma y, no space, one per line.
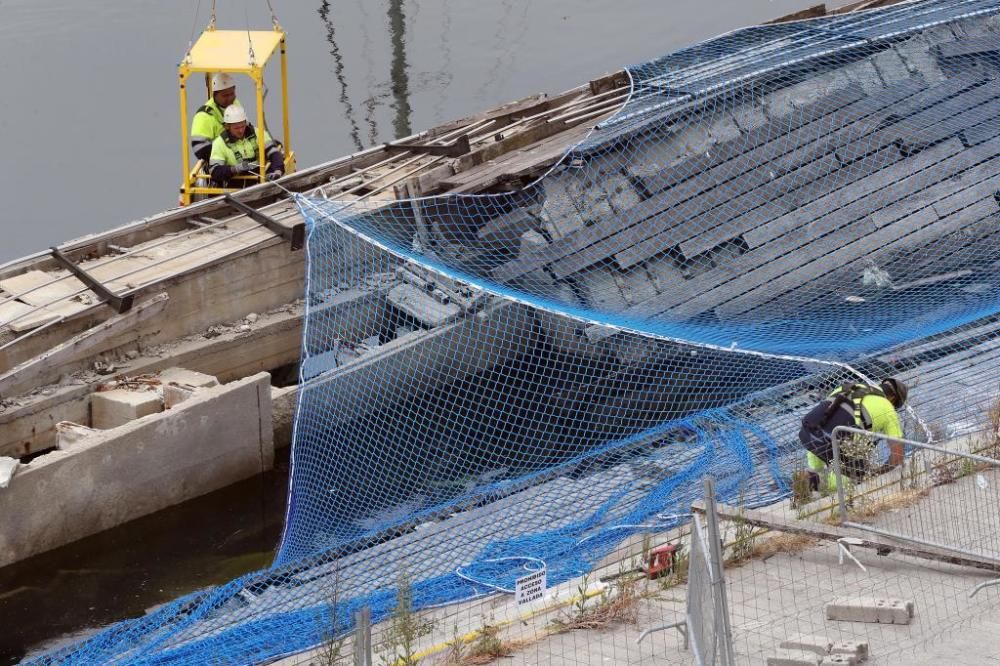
235,152
857,406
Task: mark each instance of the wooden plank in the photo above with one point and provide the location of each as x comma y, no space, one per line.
20,317
829,532
899,176
948,119
967,47
507,228
32,288
693,296
732,210
913,113
807,13
839,249
729,162
765,261
48,366
768,142
973,136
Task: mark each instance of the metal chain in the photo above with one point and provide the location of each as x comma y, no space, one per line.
211,22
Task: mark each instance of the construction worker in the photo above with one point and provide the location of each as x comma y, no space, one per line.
857,406
207,122
234,152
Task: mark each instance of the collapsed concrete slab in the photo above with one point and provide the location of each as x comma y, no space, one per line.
219,436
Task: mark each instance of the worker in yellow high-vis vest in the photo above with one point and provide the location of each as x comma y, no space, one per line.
207,123
861,406
235,151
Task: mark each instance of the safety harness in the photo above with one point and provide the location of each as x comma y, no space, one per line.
849,398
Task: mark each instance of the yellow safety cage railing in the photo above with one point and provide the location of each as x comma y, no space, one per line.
234,52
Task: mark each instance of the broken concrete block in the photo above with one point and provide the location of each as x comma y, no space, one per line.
188,378
794,658
839,660
893,611
422,306
857,648
818,644
866,609
7,468
110,409
174,394
69,433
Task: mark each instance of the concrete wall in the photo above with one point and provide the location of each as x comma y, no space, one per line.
217,437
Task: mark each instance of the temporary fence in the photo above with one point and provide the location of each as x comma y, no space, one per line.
524,386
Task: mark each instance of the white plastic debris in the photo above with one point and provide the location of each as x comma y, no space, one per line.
7,468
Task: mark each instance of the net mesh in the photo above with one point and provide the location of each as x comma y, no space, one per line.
490,382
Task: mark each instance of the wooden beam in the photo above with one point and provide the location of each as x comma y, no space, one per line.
49,364
828,532
807,13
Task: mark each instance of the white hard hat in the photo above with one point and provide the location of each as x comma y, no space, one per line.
234,114
222,81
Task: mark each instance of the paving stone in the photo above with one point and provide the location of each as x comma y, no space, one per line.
818,644
110,409
893,611
832,659
857,648
867,609
794,658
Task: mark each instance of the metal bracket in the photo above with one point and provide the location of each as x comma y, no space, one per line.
296,235
121,304
456,148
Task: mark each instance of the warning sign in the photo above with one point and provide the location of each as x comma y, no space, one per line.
530,588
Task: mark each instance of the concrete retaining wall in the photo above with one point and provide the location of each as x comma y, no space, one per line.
217,437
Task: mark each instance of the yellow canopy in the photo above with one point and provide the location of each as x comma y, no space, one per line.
229,50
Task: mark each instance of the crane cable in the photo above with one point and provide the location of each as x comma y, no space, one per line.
274,17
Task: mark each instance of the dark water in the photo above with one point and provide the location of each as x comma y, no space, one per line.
68,592
88,108
89,126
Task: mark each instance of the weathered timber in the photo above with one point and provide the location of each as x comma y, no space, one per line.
49,365
867,235
826,532
967,47
716,285
809,12
682,188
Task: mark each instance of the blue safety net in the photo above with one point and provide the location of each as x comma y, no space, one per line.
496,382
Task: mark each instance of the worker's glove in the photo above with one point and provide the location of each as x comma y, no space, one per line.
275,175
243,168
